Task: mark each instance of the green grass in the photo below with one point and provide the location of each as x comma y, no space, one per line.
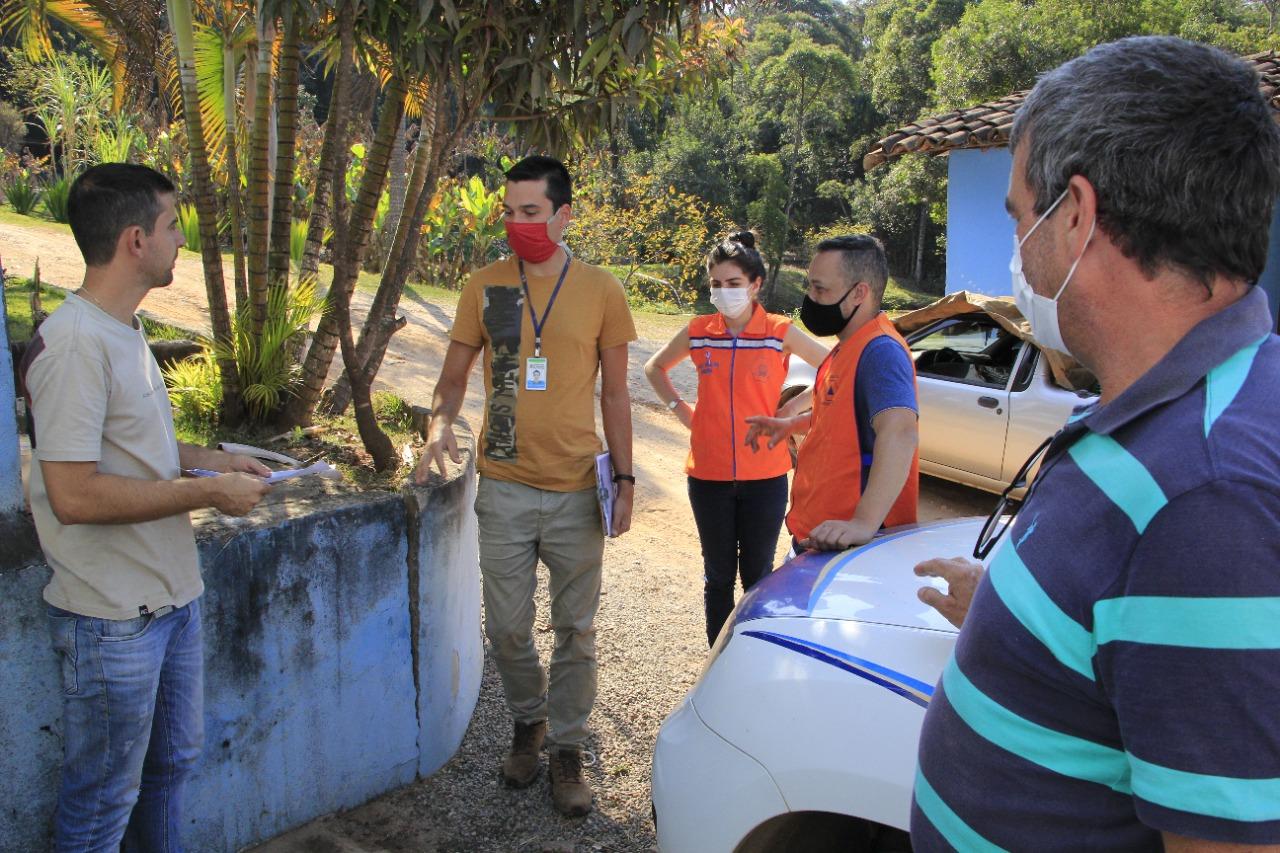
792,283
158,331
658,320
17,305
39,218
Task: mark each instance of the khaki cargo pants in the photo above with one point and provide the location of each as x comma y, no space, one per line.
518,526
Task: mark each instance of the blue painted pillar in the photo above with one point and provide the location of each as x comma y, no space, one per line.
1270,278
10,461
979,232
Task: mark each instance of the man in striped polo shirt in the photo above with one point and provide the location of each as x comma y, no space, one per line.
1116,684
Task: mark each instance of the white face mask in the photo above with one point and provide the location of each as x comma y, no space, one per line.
731,301
1041,311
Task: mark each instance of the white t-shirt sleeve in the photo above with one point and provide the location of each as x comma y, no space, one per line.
69,392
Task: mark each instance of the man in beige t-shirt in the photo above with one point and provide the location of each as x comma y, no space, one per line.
548,325
111,513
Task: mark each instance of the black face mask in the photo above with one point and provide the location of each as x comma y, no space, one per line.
824,320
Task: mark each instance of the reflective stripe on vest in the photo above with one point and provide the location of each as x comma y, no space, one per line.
828,478
738,376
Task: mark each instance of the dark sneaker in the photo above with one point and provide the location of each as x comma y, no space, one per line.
570,793
520,767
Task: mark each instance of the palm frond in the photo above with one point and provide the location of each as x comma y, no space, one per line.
210,91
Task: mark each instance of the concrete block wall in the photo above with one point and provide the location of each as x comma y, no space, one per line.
342,653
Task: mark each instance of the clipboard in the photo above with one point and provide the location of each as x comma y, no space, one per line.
606,489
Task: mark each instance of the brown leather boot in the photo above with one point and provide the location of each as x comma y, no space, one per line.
520,767
570,793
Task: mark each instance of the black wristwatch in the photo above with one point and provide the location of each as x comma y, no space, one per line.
630,478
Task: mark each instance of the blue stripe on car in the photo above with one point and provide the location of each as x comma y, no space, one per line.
909,688
832,569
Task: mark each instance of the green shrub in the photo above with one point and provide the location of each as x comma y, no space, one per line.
22,195
298,239
267,370
117,140
157,331
392,410
13,127
189,222
56,196
195,390
18,303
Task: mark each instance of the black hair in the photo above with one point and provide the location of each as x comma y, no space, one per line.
549,169
108,198
1179,144
863,259
740,250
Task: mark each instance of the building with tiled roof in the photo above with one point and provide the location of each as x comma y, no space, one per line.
975,141
987,125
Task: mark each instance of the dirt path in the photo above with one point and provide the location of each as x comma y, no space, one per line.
651,639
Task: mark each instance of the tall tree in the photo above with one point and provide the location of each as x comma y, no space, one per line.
559,72
180,22
900,36
805,79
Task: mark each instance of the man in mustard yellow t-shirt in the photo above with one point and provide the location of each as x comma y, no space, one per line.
547,324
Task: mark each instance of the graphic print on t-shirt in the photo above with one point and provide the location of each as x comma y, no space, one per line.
503,307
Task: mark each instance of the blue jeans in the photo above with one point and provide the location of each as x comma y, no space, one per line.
133,727
738,525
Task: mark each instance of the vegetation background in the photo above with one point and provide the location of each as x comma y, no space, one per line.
319,143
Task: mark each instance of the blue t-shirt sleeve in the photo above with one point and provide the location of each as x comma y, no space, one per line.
886,380
1189,657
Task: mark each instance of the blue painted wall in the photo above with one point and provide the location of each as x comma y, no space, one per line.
10,464
450,650
979,232
328,681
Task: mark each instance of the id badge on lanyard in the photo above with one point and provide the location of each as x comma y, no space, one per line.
535,367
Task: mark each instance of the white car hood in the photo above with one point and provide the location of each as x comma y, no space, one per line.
873,583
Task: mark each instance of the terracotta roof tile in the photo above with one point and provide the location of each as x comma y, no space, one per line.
987,125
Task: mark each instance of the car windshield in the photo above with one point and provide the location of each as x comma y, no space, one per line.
974,350
971,337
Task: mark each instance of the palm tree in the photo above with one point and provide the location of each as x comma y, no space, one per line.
180,22
30,21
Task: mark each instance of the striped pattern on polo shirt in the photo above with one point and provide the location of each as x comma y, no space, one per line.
1119,671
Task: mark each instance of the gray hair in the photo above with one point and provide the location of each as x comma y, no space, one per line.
1178,142
862,258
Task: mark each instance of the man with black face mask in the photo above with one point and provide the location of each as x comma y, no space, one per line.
858,466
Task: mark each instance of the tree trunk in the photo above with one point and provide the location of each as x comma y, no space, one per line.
921,229
346,269
287,103
330,194
234,198
380,323
206,207
397,189
331,151
260,179
775,265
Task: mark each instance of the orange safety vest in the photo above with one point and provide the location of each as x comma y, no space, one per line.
737,377
828,478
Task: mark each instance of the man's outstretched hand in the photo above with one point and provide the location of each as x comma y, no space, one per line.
441,440
775,429
962,578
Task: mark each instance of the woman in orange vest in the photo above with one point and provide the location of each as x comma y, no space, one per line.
738,494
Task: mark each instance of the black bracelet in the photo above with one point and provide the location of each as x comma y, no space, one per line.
628,477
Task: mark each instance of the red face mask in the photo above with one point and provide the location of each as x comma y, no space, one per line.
529,241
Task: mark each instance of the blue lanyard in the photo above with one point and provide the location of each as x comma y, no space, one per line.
528,298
